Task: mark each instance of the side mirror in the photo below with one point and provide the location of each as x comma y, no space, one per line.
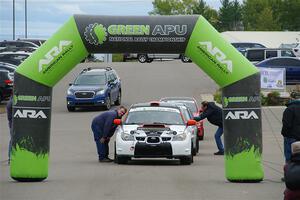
191,122
117,121
70,84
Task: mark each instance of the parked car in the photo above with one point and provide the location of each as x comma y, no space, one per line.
6,85
192,104
8,67
38,42
17,43
243,46
188,115
260,54
14,58
142,57
95,87
154,130
291,65
296,50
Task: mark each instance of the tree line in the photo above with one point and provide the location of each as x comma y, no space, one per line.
234,15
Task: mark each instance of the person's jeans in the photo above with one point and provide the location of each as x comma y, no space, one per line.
287,145
9,144
102,148
218,139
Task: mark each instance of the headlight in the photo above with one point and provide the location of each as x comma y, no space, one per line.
100,92
69,92
179,137
127,137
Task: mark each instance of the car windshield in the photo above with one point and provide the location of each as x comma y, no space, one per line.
154,115
190,104
90,80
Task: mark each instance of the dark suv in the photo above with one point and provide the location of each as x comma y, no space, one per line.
94,87
6,84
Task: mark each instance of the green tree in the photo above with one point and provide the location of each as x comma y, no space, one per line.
290,17
266,21
207,12
261,15
185,7
173,7
230,15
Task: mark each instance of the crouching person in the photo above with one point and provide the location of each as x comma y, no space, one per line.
103,129
292,174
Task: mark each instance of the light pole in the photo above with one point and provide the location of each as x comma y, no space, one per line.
25,18
14,20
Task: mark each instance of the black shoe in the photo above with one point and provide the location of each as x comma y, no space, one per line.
105,160
219,153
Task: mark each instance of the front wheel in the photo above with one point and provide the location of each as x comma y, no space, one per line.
118,101
142,58
107,103
185,59
71,108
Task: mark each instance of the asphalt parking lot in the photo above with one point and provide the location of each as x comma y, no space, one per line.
75,173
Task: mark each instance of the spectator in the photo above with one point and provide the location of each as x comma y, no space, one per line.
213,113
103,129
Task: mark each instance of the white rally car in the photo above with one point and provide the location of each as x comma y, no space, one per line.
154,130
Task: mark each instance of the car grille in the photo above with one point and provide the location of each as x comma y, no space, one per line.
140,138
166,139
152,139
84,95
153,132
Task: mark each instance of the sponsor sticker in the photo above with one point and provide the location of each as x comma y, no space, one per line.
97,34
30,113
241,115
240,99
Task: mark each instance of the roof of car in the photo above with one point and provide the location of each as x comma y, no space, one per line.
155,104
280,58
15,52
96,71
177,98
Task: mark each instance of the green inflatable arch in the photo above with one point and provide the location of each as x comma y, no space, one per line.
84,34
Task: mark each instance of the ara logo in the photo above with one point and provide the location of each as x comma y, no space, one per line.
55,52
241,115
33,114
218,54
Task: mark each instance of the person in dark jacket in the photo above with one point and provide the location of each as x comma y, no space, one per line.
292,174
9,118
213,113
291,124
103,129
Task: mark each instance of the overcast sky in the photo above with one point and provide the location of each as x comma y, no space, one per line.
46,16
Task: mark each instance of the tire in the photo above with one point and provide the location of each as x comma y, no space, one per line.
149,60
197,144
108,103
118,101
185,59
201,137
187,160
121,160
71,108
142,58
194,150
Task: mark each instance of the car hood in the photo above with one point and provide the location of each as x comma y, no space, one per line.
87,87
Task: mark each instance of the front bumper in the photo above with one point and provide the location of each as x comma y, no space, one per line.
171,149
72,101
